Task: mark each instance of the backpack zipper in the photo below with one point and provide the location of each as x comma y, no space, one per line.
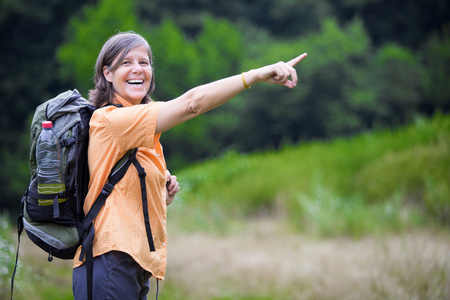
50,255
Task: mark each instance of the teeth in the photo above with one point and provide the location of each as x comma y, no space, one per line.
136,81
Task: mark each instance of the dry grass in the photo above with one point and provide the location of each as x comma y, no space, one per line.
265,262
39,279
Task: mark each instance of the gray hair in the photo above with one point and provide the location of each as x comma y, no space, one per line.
119,44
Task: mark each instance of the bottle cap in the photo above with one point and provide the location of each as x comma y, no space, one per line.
47,125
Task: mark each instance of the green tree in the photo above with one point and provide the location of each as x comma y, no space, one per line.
436,59
408,23
176,60
282,18
220,48
398,79
86,35
30,32
320,106
182,64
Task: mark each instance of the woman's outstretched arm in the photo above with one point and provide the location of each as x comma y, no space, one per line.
208,96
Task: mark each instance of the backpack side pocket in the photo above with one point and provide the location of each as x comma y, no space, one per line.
45,213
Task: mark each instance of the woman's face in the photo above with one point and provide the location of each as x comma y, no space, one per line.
131,80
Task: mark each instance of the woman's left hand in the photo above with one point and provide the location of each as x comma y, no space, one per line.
172,187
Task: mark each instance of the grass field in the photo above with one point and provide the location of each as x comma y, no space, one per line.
264,260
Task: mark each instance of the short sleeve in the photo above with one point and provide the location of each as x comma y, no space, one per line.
129,127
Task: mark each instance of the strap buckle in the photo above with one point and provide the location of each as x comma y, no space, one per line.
107,189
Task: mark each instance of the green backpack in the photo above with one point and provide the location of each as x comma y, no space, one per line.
54,227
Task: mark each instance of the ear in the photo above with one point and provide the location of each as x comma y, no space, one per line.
107,73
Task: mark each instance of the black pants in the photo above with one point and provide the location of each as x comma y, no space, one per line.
116,276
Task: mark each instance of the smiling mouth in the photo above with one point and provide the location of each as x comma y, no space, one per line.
135,81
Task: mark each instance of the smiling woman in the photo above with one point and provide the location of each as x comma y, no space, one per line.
132,78
130,246
115,53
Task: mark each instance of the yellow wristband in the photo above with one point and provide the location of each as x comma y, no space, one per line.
243,81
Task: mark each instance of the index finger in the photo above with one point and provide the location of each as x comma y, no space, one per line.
296,60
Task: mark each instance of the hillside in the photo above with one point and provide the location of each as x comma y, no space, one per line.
377,182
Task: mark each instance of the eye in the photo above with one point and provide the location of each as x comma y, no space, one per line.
144,62
125,62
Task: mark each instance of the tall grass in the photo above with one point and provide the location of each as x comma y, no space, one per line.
381,181
261,262
264,262
36,278
7,257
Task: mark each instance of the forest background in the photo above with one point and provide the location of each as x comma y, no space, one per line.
373,64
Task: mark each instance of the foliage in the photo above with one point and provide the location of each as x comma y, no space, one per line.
173,55
87,35
377,182
419,173
30,33
7,258
371,64
394,80
283,18
328,80
35,278
436,57
408,23
181,64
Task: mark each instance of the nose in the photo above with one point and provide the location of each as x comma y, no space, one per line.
137,68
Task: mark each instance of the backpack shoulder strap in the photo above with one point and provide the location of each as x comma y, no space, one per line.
142,175
117,173
87,228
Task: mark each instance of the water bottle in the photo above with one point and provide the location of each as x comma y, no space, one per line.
49,175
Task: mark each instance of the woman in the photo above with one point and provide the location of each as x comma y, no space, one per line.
123,262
